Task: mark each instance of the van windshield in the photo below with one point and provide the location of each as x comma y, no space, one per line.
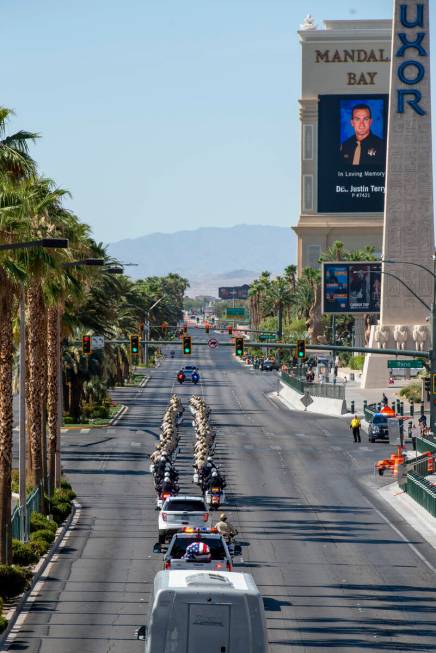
184,505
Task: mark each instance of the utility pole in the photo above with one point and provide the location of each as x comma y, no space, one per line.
147,329
22,414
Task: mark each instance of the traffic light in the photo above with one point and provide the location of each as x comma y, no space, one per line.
239,346
230,330
187,345
134,344
185,328
86,344
206,328
301,350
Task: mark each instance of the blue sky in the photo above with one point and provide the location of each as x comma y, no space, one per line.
160,115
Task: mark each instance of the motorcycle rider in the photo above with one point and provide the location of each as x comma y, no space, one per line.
215,480
225,528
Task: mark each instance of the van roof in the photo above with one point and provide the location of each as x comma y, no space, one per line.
222,580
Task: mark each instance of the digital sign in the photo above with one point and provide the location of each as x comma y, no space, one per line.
236,292
351,287
352,133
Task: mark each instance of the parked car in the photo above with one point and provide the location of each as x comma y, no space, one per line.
267,365
378,428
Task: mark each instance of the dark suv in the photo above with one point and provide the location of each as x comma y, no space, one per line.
378,428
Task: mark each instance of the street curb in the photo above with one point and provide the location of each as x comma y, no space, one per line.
41,566
118,415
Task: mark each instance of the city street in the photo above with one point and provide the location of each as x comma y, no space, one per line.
338,569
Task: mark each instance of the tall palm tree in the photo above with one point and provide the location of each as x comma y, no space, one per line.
15,164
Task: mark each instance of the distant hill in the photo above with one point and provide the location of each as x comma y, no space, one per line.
210,256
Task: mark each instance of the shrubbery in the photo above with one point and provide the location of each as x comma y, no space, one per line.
356,362
25,553
412,392
39,521
3,621
13,580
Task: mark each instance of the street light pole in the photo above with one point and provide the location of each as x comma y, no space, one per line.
147,329
22,417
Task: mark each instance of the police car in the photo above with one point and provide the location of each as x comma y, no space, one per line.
188,373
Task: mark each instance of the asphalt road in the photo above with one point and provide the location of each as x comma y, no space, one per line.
337,568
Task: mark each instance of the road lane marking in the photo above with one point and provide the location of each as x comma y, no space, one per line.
405,539
135,444
85,430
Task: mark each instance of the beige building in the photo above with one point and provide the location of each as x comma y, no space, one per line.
344,65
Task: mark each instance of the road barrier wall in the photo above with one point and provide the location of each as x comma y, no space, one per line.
422,491
327,390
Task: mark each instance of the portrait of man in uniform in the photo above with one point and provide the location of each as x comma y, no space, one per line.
364,147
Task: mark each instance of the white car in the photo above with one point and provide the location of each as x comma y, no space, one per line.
180,512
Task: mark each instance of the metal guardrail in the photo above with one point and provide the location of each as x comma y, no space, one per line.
422,492
32,503
293,382
329,390
369,411
425,444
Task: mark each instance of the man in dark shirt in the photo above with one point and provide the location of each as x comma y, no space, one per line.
364,148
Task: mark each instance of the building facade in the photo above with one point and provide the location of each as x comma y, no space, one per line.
344,106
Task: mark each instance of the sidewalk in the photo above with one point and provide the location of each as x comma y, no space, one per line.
411,511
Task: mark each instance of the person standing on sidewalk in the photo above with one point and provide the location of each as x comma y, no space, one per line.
355,427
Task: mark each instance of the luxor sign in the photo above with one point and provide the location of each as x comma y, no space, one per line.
413,69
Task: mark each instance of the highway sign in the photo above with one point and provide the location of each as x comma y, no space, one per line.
267,336
212,343
404,365
235,312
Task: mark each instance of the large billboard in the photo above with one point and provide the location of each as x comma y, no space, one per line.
352,153
351,287
236,292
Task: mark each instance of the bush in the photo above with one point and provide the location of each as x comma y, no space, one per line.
13,580
3,621
412,392
45,534
356,362
68,419
42,546
101,412
39,521
24,553
60,510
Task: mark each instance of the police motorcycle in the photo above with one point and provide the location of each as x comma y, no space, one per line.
214,494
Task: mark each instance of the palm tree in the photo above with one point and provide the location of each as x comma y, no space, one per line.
15,164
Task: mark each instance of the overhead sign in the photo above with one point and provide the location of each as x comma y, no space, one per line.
212,343
235,312
234,292
267,336
351,287
352,131
97,342
405,365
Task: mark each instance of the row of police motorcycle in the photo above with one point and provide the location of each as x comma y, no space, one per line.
207,474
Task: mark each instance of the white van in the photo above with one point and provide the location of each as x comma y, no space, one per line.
205,612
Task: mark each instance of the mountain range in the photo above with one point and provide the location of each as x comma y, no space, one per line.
209,257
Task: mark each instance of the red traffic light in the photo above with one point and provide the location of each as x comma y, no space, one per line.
230,330
86,344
